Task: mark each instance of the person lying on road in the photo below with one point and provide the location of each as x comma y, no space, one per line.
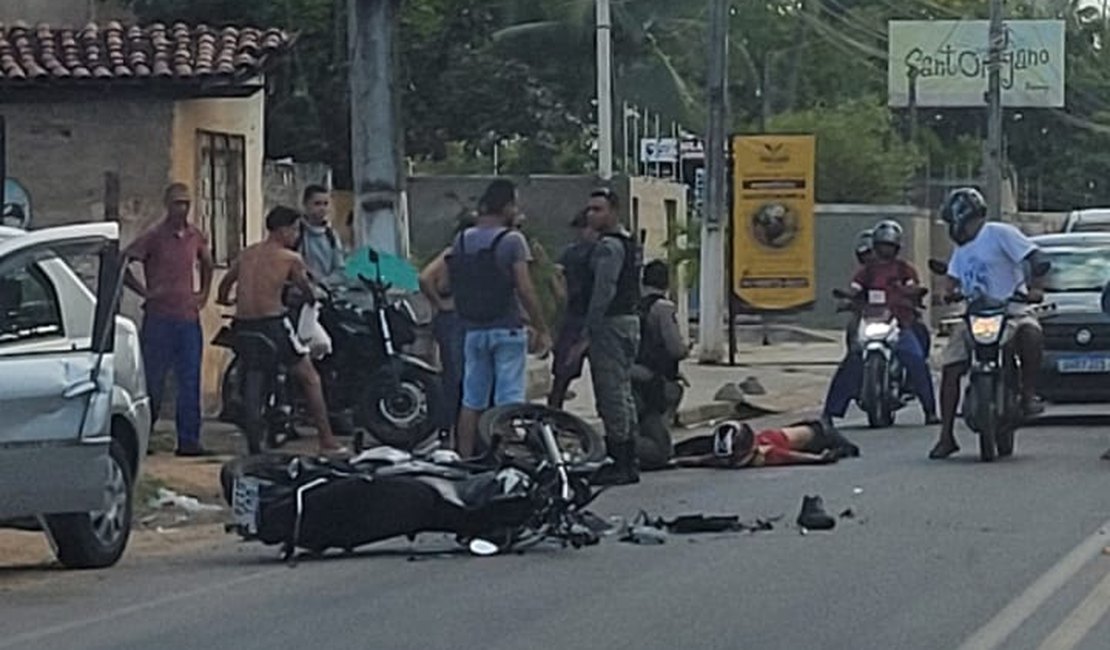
734,445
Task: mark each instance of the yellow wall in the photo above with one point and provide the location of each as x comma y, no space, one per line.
236,116
651,195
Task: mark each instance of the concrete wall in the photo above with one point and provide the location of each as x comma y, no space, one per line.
283,183
837,227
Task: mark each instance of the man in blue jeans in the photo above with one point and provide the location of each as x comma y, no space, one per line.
172,253
488,274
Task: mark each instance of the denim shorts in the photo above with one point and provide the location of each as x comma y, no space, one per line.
495,361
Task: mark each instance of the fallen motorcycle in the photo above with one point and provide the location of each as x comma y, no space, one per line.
491,505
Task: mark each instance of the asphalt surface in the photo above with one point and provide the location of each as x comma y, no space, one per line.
940,555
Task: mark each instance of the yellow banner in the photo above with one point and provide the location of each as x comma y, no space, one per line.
772,221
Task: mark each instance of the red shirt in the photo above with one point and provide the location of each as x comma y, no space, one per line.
891,276
776,447
169,260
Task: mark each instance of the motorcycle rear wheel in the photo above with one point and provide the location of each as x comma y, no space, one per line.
401,414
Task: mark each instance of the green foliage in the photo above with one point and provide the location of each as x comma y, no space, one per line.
859,157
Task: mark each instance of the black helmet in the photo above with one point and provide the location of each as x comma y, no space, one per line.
888,232
864,242
960,207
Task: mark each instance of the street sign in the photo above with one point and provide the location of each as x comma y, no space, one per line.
947,61
773,221
659,150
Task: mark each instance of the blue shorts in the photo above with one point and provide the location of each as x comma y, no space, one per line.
494,365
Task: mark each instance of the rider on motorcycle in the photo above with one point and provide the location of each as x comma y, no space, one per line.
996,261
898,281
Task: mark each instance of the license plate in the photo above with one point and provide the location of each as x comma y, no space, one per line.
244,505
876,297
1083,365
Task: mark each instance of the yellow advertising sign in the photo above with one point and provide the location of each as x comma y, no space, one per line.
772,221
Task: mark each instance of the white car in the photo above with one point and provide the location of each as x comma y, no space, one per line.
74,411
1089,220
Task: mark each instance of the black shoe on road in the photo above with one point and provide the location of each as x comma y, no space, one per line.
193,452
813,515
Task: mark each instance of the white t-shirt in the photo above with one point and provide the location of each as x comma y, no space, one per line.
991,264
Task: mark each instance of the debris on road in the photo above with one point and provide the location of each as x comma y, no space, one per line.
167,498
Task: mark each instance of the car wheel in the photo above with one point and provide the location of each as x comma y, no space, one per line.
97,539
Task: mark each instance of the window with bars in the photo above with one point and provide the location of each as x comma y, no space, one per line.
222,204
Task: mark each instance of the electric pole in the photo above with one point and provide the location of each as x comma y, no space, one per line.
712,280
993,162
604,91
375,135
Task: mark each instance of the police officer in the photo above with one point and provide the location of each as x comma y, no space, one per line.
611,334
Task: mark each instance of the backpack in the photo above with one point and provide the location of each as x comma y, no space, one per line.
483,290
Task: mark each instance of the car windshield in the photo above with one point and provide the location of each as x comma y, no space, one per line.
1077,270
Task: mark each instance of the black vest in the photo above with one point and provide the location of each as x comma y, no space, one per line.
653,351
626,302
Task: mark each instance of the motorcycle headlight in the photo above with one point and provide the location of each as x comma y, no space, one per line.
874,331
986,330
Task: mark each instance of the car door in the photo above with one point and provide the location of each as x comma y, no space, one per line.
59,291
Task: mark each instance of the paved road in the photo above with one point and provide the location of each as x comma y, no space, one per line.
943,555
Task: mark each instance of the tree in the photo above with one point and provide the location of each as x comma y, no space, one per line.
860,159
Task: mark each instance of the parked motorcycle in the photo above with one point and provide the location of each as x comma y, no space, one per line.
492,505
992,399
395,397
886,386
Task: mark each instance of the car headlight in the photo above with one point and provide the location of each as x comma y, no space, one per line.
877,331
986,330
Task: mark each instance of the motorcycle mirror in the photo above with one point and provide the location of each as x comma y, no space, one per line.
372,255
483,548
939,267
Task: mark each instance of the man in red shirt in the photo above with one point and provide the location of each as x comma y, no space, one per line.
734,445
893,283
173,253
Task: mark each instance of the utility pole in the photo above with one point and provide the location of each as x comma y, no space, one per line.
375,137
993,162
604,91
712,281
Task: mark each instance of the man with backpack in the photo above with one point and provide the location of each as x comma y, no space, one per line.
656,380
611,333
318,244
489,277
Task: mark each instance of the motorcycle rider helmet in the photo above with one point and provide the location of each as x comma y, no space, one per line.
888,232
864,243
732,440
961,207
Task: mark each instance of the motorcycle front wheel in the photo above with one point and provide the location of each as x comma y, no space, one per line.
983,391
401,413
579,442
876,393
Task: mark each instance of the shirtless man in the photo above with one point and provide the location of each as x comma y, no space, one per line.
262,271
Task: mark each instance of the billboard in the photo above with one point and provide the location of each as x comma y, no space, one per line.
772,221
949,59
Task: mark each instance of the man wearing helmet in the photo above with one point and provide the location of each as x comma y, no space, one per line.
996,261
734,445
893,282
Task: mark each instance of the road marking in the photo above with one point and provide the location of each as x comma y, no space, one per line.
1005,622
1082,620
34,636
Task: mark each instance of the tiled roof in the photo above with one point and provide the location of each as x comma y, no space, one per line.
179,53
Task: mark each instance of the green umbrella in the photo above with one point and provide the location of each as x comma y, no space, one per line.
395,270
